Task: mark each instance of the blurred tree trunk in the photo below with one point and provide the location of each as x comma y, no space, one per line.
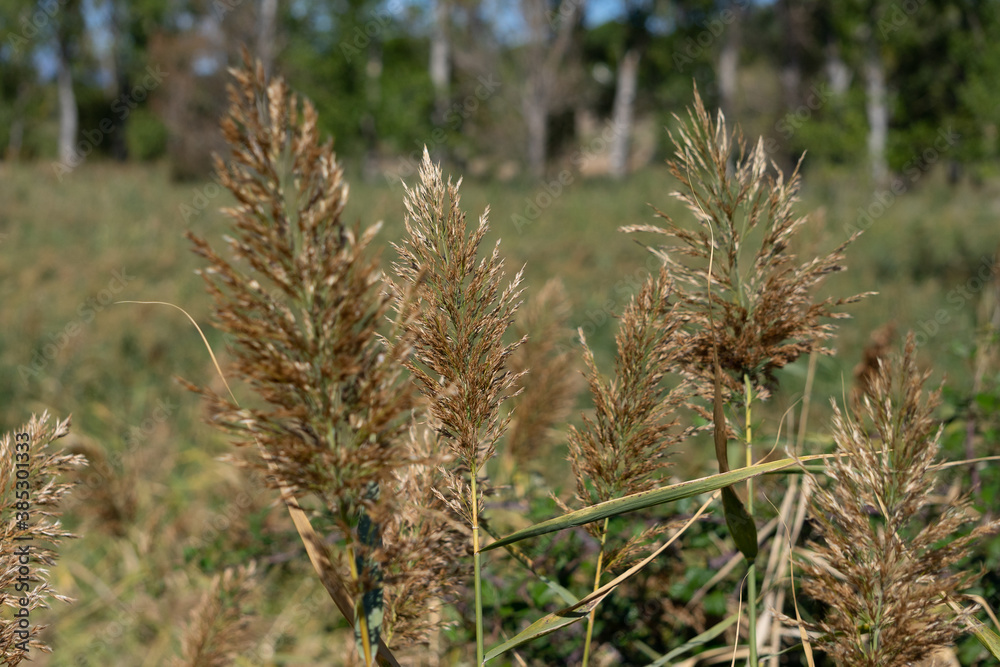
373,98
16,140
266,34
546,53
440,61
877,110
838,74
117,61
624,108
69,114
729,62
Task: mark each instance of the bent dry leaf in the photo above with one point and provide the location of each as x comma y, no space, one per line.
651,498
739,521
580,610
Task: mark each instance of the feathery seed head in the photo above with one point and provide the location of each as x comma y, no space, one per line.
459,360
759,312
884,568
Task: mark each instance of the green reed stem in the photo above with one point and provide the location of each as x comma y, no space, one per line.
597,584
359,611
477,564
752,567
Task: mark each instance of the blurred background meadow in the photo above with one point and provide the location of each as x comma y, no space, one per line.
557,115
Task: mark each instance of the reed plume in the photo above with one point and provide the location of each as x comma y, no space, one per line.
624,449
460,359
304,300
32,489
886,565
421,544
758,312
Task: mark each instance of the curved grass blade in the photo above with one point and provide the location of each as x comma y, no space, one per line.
740,523
580,610
651,498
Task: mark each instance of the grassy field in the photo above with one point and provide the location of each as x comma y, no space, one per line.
159,517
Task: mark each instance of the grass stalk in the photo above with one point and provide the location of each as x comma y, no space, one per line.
359,609
752,568
597,585
477,566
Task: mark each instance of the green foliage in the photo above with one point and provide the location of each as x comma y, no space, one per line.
145,136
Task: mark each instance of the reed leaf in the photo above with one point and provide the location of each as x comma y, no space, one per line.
989,639
652,498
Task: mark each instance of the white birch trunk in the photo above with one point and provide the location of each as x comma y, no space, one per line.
266,33
729,61
69,115
440,62
624,108
877,109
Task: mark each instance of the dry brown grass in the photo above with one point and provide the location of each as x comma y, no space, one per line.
219,629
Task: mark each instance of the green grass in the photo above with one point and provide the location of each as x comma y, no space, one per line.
112,366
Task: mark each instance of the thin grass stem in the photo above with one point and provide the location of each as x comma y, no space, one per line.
752,569
359,610
477,565
597,585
